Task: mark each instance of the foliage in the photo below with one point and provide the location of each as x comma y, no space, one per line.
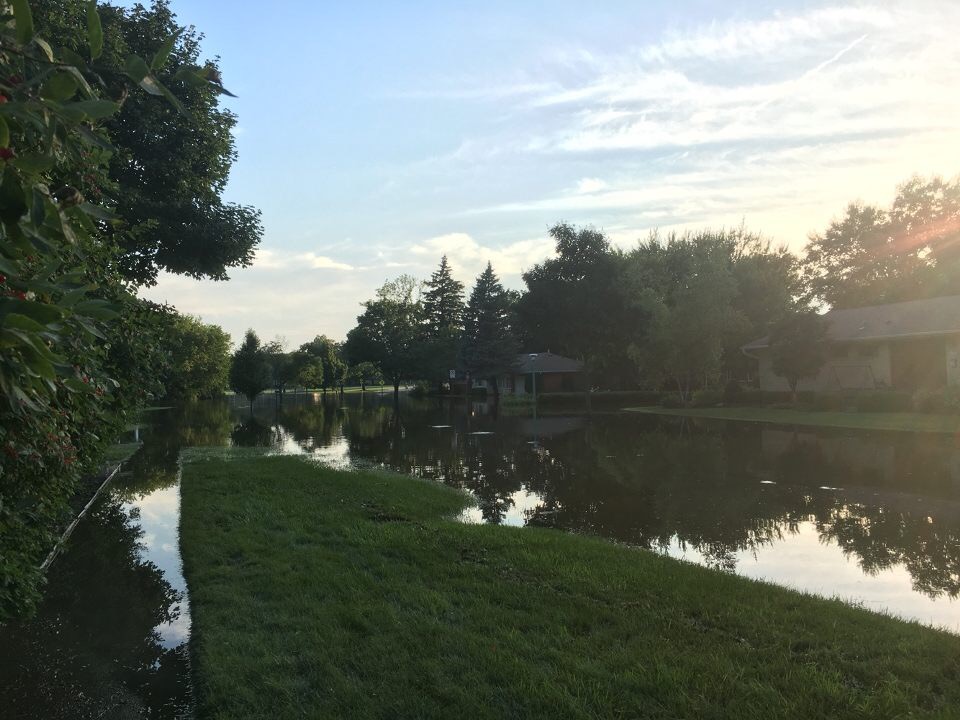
873,255
250,369
685,288
200,359
68,377
883,401
172,159
573,305
387,332
363,374
797,347
311,374
489,347
329,355
442,323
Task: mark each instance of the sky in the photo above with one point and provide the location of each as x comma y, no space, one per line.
375,137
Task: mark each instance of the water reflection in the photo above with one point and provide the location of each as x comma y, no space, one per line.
871,517
835,512
110,637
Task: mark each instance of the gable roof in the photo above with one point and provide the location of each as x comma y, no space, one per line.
545,362
915,318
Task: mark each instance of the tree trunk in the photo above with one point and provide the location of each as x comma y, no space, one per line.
396,390
363,386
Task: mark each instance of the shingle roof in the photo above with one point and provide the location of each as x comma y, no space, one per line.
545,362
933,316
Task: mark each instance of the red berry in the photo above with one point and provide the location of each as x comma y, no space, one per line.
6,153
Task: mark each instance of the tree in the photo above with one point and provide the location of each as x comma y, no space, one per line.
684,290
328,353
387,332
200,359
170,166
250,372
873,255
80,351
442,323
363,374
489,346
797,347
310,374
572,305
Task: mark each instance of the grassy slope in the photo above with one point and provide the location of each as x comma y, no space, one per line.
915,422
318,593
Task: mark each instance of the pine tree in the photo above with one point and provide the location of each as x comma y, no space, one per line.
442,324
489,346
443,303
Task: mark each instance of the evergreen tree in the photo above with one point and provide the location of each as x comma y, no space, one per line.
250,372
489,346
443,303
442,326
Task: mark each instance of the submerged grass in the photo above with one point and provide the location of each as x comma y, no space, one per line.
905,421
323,593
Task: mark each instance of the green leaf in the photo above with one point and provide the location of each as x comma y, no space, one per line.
150,84
23,19
41,312
164,52
135,68
39,209
96,109
93,138
13,203
94,30
69,56
45,46
17,321
96,309
33,162
173,100
61,86
4,133
98,212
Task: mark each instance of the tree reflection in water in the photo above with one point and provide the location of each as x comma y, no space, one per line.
725,490
721,489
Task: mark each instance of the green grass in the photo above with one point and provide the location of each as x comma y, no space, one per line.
120,452
329,594
908,421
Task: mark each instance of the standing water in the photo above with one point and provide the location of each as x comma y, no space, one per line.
872,518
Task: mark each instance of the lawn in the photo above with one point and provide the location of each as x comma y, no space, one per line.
331,594
908,421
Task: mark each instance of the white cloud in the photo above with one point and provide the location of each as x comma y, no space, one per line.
267,259
468,257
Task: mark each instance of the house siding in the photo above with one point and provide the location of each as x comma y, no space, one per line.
850,367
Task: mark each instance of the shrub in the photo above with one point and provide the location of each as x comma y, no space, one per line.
421,389
80,351
883,401
707,398
943,400
671,400
828,401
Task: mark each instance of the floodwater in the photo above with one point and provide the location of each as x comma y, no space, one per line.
872,518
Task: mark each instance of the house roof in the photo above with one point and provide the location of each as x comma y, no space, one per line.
915,318
545,362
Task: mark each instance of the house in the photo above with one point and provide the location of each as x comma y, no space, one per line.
545,372
906,346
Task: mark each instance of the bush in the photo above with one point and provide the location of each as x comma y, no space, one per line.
828,401
80,351
671,400
944,400
883,401
707,398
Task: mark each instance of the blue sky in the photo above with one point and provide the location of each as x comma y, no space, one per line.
377,136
